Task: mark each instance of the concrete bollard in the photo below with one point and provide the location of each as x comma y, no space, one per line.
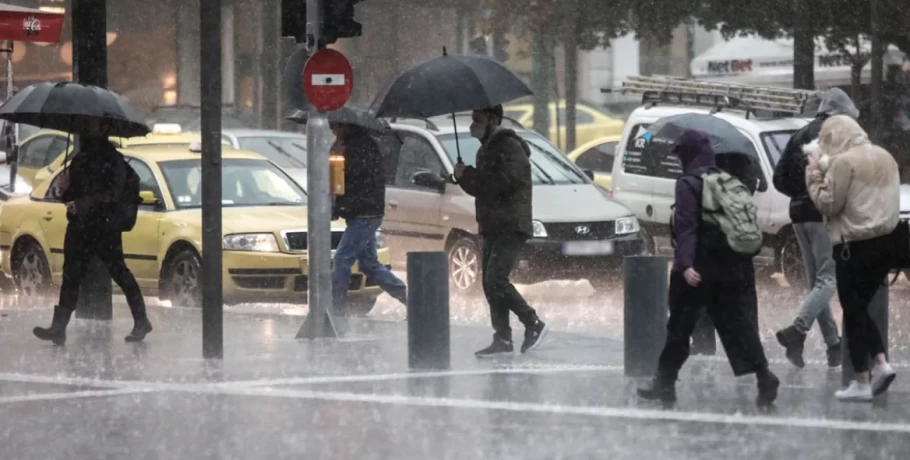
878,310
645,313
428,310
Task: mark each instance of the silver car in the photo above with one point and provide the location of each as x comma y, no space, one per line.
285,149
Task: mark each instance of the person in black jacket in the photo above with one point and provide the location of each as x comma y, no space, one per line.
91,186
811,235
362,207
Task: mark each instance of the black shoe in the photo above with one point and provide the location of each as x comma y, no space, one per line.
834,355
140,330
659,389
57,332
534,336
793,341
768,384
498,347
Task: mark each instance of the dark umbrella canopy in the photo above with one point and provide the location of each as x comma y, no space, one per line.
347,115
725,138
74,108
449,84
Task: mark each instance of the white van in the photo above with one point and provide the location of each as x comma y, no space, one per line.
646,185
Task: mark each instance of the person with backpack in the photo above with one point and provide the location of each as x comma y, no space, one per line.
101,194
856,186
811,236
715,235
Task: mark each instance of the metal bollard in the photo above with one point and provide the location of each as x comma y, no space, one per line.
428,310
645,313
878,310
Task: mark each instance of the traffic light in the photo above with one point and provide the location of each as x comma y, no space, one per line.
337,20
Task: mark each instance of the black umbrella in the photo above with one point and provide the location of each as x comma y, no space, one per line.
347,115
74,108
449,84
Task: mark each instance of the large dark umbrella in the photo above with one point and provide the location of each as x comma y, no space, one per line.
347,115
74,108
449,84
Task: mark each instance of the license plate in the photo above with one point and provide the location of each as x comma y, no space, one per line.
587,248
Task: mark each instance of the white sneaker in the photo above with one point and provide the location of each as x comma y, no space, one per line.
882,378
855,392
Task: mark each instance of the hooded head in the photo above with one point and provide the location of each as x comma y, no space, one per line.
95,144
693,148
838,134
837,102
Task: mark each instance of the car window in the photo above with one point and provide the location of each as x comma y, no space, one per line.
581,117
57,147
598,158
147,180
775,142
245,182
34,153
389,146
415,155
286,152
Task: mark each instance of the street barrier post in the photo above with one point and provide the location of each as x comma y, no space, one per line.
645,313
428,310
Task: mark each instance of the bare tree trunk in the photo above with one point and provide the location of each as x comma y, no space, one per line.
878,77
856,76
571,50
540,83
804,49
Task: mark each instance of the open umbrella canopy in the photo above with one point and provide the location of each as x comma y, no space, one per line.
29,25
725,138
74,108
449,84
348,115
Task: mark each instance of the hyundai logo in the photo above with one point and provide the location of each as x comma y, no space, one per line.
582,229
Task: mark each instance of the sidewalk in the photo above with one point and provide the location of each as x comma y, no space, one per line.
274,397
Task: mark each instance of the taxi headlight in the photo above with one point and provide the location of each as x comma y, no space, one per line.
258,242
539,230
380,240
626,225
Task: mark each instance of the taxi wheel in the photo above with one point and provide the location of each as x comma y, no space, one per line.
361,305
184,279
31,272
464,266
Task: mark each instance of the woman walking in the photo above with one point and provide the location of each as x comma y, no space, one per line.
856,186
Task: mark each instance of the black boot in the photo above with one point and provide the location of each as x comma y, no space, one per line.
768,384
659,389
57,332
834,355
793,341
141,328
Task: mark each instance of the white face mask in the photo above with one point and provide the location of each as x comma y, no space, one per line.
478,131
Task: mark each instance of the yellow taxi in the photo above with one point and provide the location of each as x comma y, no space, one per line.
597,156
44,152
265,237
590,123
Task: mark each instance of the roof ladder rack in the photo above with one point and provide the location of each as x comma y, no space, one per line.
672,90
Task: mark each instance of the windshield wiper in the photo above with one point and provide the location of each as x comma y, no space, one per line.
284,152
544,173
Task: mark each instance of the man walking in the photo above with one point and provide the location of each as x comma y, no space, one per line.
501,186
362,207
708,274
811,235
92,187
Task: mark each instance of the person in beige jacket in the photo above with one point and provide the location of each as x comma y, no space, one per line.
856,187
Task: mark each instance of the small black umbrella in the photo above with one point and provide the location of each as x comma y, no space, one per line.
74,108
449,84
347,115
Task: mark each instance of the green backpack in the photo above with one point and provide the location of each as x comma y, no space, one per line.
727,203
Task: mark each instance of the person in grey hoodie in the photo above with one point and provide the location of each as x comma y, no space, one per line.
813,239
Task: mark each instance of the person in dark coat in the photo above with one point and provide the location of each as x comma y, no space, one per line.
707,277
90,187
811,235
501,185
362,207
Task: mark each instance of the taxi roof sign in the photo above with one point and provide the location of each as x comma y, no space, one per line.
167,128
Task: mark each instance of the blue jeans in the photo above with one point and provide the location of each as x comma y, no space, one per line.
358,244
815,245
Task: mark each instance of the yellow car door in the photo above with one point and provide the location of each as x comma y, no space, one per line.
51,213
140,246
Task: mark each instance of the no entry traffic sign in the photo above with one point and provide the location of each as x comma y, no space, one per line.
328,80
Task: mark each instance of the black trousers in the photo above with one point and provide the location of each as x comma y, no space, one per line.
498,259
861,267
732,306
79,246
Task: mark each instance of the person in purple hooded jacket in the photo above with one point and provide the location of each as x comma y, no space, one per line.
708,276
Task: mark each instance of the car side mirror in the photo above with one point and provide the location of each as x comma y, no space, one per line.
761,184
588,173
429,180
148,198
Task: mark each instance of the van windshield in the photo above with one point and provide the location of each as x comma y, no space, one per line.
775,142
548,165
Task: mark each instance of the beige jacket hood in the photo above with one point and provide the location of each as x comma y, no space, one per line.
854,183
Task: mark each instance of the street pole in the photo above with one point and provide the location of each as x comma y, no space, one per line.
878,67
318,323
90,67
210,81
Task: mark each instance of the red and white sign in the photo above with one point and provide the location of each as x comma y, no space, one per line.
29,25
328,80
